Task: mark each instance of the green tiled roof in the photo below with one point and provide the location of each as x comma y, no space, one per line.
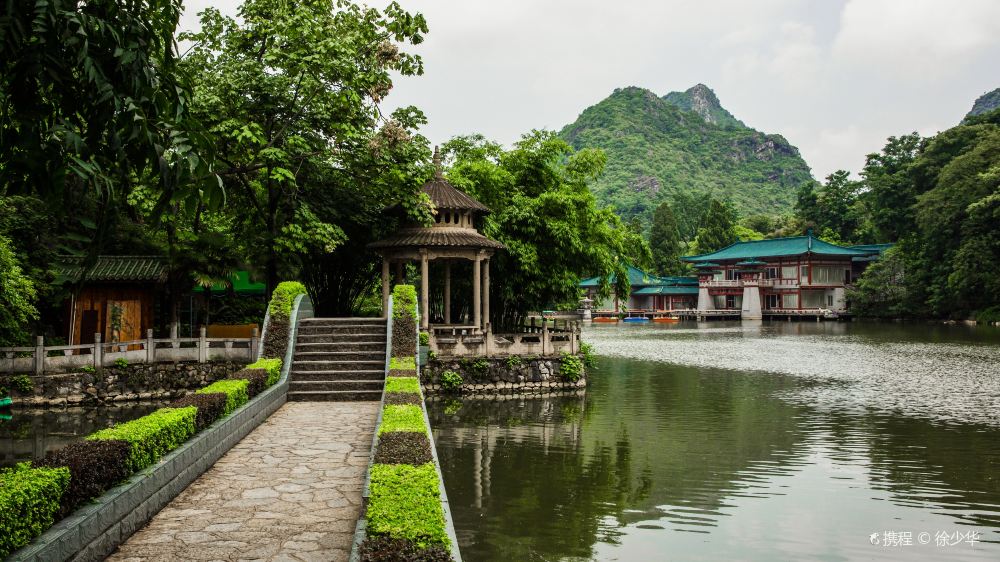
776,247
871,248
664,290
241,284
639,278
113,269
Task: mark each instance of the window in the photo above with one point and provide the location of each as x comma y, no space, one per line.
771,301
771,273
804,274
730,301
829,301
812,299
827,275
790,301
731,275
788,272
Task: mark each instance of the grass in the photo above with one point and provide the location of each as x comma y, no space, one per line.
403,363
402,384
405,503
402,418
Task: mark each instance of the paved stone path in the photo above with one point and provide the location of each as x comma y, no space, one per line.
291,490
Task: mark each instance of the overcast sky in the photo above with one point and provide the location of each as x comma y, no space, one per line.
835,77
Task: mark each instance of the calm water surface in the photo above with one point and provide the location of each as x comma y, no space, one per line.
30,433
740,442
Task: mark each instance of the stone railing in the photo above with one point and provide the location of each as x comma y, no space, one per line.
60,358
545,339
779,283
722,283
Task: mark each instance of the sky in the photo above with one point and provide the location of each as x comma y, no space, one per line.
834,77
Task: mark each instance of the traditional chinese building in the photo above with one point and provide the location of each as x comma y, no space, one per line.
649,293
780,276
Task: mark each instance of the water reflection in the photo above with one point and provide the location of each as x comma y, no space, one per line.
662,461
30,433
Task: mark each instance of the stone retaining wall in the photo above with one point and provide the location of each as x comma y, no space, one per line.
499,375
139,381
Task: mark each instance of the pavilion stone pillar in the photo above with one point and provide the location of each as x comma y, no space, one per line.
424,290
486,293
399,272
477,292
385,285
447,292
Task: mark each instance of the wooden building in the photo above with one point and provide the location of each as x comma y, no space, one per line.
648,293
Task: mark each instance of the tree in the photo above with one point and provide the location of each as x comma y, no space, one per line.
891,195
833,208
290,94
665,241
717,229
17,295
546,216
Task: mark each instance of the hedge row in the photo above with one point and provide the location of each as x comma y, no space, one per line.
402,385
34,495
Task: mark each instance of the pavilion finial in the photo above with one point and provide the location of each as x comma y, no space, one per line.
437,163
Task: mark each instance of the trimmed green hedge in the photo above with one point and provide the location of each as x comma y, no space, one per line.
402,384
403,363
152,436
235,390
29,501
402,418
283,298
404,301
405,503
272,366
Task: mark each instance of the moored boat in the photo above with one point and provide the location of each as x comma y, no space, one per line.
666,320
635,319
5,401
607,319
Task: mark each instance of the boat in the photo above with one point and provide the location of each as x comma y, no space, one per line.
635,319
5,402
608,319
666,320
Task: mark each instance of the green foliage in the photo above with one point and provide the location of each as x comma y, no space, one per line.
153,435
402,385
664,150
881,293
451,381
986,103
570,367
717,229
425,339
22,384
17,296
989,315
89,369
402,418
480,366
405,503
891,191
546,216
283,298
514,361
665,242
29,502
121,362
236,392
834,210
587,351
402,363
94,467
272,366
404,302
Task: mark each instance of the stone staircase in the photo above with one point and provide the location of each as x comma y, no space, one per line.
338,359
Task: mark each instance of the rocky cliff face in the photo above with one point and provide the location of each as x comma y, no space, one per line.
985,103
682,144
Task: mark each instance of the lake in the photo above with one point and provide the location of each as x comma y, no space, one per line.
713,441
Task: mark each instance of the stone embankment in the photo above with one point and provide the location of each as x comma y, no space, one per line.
501,375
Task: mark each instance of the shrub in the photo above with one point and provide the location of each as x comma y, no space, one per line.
22,384
29,502
571,367
404,327
988,316
514,361
403,363
402,384
94,467
256,380
480,367
210,407
151,436
403,447
402,398
402,418
121,362
587,351
405,503
235,391
384,549
89,369
451,381
425,339
272,366
283,298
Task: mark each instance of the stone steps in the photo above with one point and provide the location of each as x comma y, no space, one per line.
338,359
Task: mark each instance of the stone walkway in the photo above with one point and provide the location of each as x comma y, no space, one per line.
291,490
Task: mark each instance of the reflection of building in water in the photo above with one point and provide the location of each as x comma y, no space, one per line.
558,424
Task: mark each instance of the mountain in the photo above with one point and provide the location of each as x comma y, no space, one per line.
682,145
986,103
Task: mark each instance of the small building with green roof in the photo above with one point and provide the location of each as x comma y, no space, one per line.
649,292
780,276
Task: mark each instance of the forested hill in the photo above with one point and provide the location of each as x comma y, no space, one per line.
985,103
685,144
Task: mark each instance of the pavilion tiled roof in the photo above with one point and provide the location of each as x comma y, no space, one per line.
776,247
446,196
111,269
437,237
